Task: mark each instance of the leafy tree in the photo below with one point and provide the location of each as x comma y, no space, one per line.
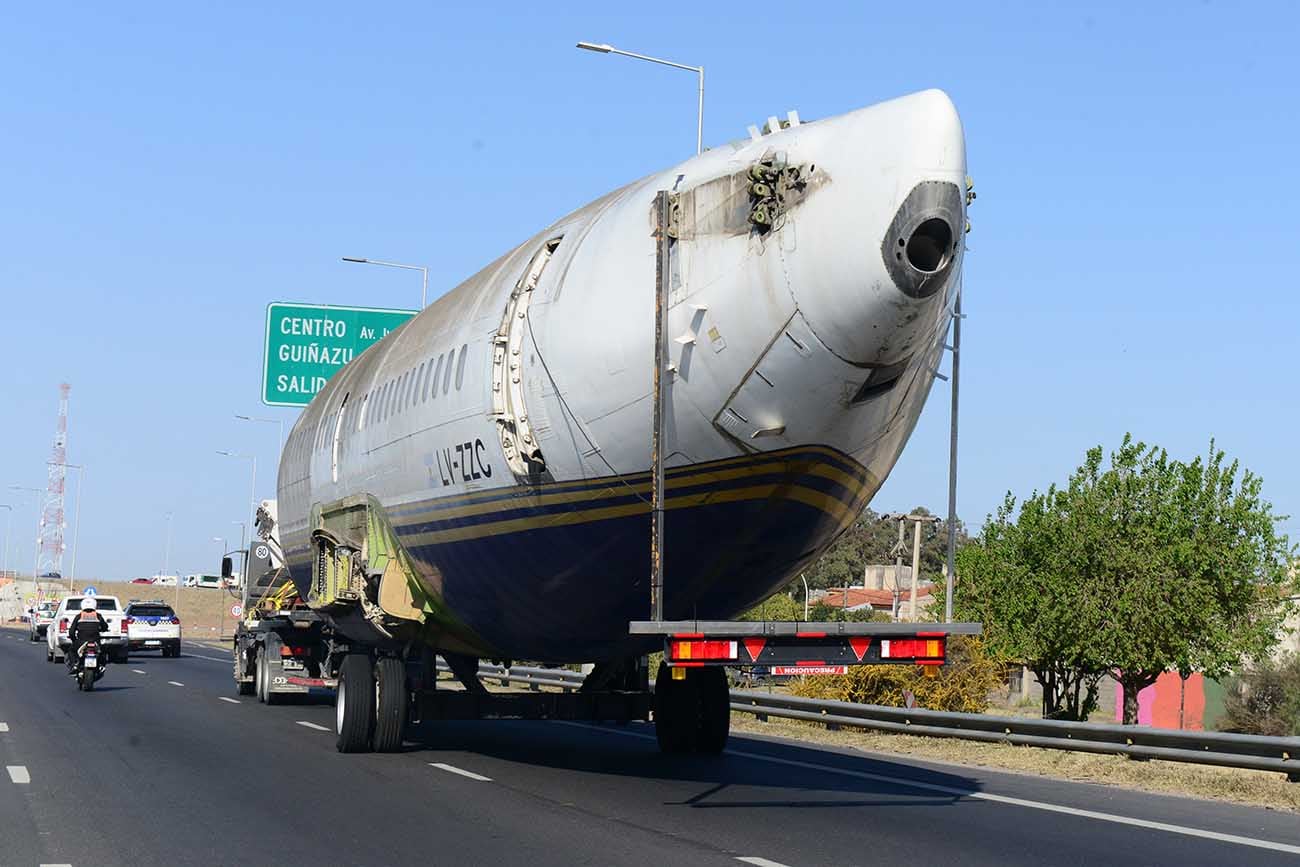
1144,566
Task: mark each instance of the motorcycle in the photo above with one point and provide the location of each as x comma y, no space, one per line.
90,667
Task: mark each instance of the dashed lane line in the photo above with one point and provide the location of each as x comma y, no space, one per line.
312,725
174,683
208,658
759,861
139,671
4,726
230,700
464,773
996,799
18,773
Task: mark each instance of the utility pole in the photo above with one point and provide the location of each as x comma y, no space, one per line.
660,381
898,561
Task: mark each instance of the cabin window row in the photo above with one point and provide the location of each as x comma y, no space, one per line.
420,384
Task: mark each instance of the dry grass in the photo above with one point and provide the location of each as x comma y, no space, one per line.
1258,788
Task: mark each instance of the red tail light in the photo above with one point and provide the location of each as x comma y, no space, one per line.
697,649
126,623
176,621
63,626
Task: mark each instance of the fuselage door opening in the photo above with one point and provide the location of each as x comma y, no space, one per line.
518,443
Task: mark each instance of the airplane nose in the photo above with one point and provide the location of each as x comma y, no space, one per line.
883,238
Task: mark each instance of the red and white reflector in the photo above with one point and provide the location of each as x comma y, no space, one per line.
682,650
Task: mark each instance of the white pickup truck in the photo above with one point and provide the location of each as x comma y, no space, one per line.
114,640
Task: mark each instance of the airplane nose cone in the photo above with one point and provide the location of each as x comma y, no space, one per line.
886,236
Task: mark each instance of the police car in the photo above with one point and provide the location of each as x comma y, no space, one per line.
154,626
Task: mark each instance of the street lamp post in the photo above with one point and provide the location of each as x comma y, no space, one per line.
424,286
604,48
167,556
276,421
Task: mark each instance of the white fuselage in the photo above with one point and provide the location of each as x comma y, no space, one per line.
506,428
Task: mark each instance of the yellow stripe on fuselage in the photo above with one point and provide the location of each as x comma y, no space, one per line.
831,505
615,488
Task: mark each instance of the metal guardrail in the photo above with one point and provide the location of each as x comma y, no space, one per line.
1250,752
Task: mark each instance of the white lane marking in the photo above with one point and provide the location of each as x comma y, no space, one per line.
139,671
758,861
312,725
464,773
56,865
208,658
997,799
231,700
4,727
18,773
174,683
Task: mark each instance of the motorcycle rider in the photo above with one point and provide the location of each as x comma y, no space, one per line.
86,626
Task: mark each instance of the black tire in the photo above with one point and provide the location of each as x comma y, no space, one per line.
672,712
355,704
713,698
243,687
390,705
260,679
692,715
49,654
87,680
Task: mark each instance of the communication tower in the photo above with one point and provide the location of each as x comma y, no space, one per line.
50,559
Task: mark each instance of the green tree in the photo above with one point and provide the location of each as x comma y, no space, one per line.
1143,566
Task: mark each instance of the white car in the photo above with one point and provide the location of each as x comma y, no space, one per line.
153,626
114,640
39,620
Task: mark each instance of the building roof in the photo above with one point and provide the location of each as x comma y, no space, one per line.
860,597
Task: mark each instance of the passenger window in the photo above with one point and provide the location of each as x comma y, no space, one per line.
460,368
428,374
446,374
433,390
419,384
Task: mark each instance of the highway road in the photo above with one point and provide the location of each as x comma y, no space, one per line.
163,765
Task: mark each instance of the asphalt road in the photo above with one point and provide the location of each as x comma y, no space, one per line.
163,764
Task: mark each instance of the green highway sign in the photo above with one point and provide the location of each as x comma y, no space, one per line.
306,344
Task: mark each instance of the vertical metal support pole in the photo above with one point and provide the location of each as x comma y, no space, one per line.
916,565
658,442
952,459
699,122
898,561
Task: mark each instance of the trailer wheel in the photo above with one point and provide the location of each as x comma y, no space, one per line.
354,704
259,678
693,714
672,712
714,708
390,704
244,687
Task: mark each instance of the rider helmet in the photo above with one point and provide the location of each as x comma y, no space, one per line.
88,604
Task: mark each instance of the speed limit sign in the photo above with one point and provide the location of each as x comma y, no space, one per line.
236,610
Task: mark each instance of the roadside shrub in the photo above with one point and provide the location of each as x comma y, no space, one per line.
1266,700
963,684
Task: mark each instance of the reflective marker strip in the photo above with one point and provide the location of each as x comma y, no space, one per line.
455,770
18,773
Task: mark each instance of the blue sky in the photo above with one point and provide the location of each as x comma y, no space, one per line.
171,168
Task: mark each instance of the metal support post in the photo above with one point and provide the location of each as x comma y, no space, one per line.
952,460
660,386
916,566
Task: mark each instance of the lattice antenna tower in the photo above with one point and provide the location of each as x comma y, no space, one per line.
50,560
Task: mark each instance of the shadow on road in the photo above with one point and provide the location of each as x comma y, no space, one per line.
608,750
